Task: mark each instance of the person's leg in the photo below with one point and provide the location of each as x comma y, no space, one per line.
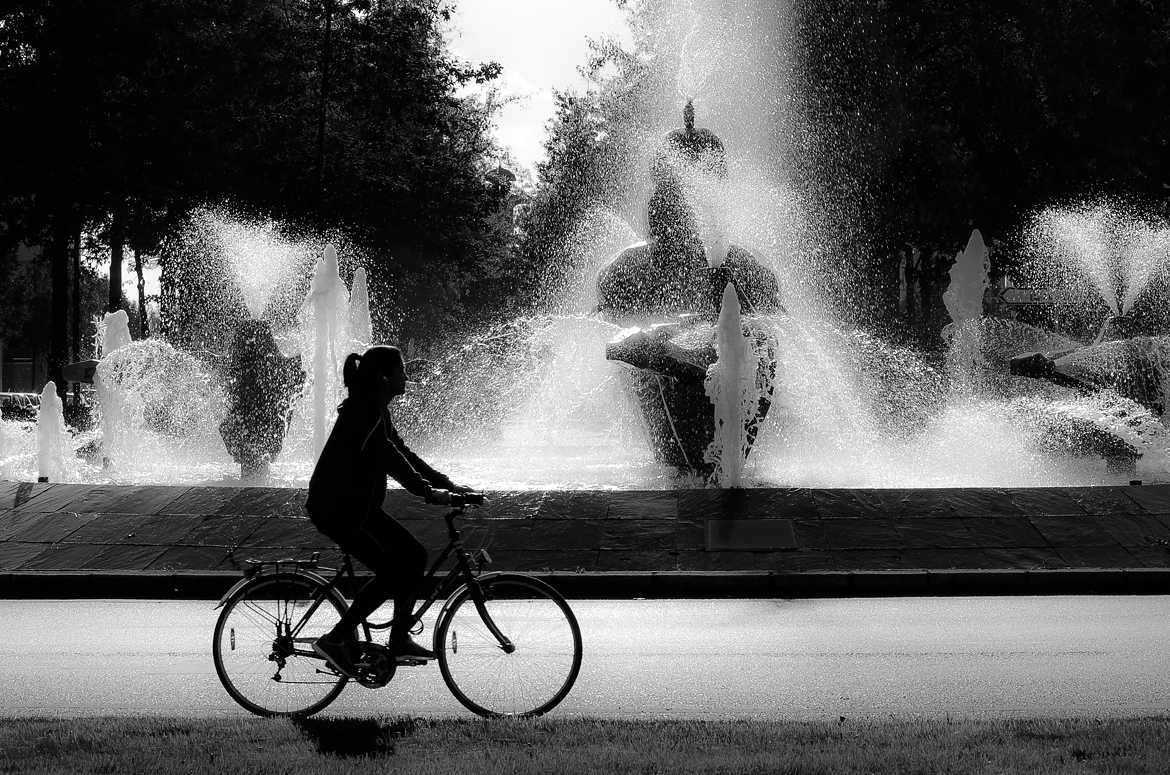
398,561
412,557
369,598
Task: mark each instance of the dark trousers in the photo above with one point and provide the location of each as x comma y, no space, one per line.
395,556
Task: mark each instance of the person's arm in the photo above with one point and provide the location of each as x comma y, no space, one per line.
436,478
391,460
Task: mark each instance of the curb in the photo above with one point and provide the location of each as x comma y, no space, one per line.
616,585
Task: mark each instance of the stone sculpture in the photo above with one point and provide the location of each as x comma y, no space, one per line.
670,289
261,385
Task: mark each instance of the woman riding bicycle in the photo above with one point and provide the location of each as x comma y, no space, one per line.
345,499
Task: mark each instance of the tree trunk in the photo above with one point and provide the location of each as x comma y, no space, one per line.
58,249
76,351
323,103
141,295
76,312
117,255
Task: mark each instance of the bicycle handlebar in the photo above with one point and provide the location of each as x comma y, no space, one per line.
461,500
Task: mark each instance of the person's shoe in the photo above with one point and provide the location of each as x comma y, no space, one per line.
338,653
409,651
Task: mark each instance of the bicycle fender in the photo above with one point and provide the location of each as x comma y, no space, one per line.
447,604
305,574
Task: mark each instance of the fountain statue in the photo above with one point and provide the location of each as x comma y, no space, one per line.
1135,367
261,386
676,272
1124,373
678,282
1132,372
1120,257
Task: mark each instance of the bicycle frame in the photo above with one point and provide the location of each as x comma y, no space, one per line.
459,574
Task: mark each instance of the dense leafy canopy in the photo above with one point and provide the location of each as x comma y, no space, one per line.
330,115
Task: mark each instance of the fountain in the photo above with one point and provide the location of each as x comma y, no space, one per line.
1120,257
691,371
326,314
360,330
739,395
575,401
52,437
1114,387
107,379
676,271
968,281
685,275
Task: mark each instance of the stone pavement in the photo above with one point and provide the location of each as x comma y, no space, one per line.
71,540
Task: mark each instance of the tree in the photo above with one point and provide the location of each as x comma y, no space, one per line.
129,115
406,162
106,133
592,154
925,121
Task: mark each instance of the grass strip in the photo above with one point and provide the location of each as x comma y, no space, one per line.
472,747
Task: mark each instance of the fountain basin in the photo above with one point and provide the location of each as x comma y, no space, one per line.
162,541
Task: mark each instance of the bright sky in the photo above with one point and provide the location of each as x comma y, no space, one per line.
540,44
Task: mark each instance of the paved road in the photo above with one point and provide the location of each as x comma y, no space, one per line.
805,659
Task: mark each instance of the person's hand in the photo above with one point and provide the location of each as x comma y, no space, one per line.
439,497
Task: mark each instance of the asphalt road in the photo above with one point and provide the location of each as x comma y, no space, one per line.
786,659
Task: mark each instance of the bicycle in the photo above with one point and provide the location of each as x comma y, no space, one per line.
507,644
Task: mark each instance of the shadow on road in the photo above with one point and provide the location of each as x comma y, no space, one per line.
354,736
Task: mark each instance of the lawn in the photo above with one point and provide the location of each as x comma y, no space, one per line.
476,747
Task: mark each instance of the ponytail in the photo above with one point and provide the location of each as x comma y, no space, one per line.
349,372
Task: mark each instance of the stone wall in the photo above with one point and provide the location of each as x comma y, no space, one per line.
61,527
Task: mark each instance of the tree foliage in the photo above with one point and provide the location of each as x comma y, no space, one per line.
593,151
128,115
925,120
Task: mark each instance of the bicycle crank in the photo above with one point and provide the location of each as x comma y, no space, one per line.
375,666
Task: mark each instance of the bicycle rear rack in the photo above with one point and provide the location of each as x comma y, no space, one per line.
256,567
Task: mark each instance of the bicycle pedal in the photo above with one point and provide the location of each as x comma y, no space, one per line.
332,670
410,661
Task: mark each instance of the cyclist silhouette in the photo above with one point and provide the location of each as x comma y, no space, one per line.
345,499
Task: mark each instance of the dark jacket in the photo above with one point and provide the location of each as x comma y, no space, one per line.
362,450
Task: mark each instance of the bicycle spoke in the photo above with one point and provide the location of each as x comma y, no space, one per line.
536,674
255,626
258,616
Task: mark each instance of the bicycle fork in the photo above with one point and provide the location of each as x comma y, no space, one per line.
480,601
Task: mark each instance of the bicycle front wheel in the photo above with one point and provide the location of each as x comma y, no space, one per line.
263,645
479,670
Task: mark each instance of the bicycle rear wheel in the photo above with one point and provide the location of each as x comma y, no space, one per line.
267,667
532,679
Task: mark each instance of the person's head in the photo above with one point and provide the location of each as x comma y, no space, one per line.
378,374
